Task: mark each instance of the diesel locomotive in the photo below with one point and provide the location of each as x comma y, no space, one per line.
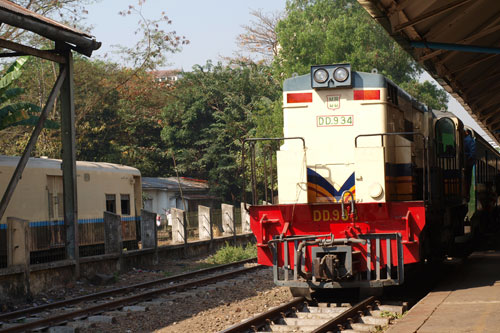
369,181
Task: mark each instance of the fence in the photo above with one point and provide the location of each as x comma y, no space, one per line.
45,240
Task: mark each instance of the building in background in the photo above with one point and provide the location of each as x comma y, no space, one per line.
169,77
162,194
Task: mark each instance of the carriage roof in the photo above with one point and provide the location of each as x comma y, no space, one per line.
48,163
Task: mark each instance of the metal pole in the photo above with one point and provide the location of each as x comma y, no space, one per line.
265,176
69,159
254,174
271,172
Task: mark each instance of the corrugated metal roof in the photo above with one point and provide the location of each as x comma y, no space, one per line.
18,16
15,8
171,183
460,40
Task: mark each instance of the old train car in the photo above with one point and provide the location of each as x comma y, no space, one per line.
38,199
375,183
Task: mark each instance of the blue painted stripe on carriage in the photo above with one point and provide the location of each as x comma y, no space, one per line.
315,178
45,223
82,221
89,221
398,170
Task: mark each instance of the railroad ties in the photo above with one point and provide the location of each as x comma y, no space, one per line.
93,307
301,316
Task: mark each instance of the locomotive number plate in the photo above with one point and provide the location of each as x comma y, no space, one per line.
328,215
329,120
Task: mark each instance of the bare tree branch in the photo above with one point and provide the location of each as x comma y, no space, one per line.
260,35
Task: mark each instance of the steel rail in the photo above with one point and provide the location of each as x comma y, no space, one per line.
347,315
261,320
27,311
120,302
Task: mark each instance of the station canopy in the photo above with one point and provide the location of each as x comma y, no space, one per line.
457,43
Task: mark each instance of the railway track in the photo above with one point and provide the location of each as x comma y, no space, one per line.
299,315
48,315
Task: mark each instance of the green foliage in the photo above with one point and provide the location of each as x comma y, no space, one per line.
229,254
211,111
427,93
335,31
17,113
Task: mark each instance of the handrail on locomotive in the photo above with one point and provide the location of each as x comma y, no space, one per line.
426,172
253,173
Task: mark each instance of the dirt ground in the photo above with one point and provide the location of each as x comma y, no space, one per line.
165,268
207,309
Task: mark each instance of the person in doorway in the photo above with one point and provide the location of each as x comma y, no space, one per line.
470,160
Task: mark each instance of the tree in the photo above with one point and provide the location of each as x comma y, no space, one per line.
260,36
427,93
326,31
211,111
18,113
340,31
154,43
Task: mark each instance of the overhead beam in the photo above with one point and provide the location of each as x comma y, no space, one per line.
470,64
456,47
31,143
430,14
26,50
84,44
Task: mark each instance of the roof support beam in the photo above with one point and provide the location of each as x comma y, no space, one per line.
31,143
473,63
487,120
26,50
486,117
430,14
494,123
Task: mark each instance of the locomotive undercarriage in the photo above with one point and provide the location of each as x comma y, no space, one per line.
338,263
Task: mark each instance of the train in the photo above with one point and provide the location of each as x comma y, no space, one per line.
38,199
370,181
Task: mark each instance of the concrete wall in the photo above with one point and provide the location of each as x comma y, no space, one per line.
60,273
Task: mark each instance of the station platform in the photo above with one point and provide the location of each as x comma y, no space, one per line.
467,301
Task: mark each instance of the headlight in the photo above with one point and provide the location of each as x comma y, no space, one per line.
321,75
341,74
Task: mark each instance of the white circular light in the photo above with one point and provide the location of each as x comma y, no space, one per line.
320,75
341,74
375,190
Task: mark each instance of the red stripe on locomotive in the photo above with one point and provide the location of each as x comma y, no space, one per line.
405,218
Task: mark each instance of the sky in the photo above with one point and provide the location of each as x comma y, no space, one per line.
210,26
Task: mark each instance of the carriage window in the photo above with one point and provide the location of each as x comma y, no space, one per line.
111,203
445,136
125,204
